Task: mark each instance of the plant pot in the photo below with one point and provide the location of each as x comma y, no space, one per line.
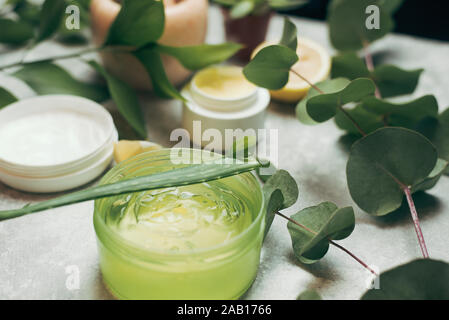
185,24
249,31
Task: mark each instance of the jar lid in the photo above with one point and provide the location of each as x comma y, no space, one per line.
47,143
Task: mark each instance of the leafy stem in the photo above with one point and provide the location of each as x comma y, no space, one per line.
354,122
414,213
307,80
365,265
370,65
350,118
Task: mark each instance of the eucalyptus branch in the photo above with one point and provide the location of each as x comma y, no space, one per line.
370,65
307,80
355,123
414,213
350,118
330,242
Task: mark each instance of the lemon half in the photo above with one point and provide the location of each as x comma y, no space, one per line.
125,149
314,64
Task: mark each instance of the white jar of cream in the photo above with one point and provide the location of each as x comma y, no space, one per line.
222,105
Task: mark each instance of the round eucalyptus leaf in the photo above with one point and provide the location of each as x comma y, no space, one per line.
393,81
320,223
275,203
349,65
383,162
437,131
368,121
270,67
423,279
441,168
324,106
406,114
326,86
289,35
283,181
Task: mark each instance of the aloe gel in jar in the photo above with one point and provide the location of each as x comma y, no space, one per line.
200,241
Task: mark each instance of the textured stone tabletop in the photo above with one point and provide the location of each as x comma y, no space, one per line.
39,252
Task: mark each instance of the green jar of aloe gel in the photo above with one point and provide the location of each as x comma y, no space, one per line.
201,241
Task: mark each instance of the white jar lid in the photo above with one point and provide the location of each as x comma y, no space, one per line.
54,143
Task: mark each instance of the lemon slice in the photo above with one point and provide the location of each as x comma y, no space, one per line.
125,149
314,64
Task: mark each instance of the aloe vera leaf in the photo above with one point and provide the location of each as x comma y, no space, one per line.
192,174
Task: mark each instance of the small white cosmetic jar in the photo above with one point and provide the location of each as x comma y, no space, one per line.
54,143
221,106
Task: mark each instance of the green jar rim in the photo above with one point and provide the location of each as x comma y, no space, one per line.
115,242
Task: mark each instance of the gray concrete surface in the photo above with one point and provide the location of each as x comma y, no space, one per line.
38,250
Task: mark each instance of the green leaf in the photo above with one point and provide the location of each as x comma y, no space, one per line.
6,98
48,78
324,106
289,35
138,23
441,168
201,56
274,204
50,19
270,67
320,224
406,114
280,191
125,99
437,131
28,12
286,4
283,181
15,32
242,9
349,65
216,168
382,163
368,121
269,168
347,24
393,81
326,86
444,117
422,279
309,295
152,62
